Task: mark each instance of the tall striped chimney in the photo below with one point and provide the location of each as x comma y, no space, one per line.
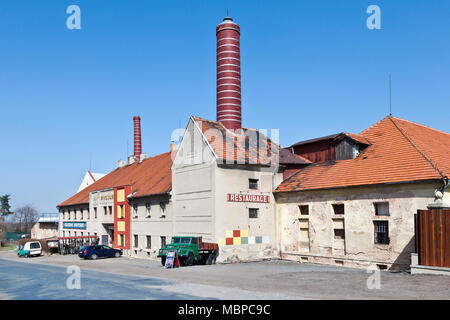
228,74
137,138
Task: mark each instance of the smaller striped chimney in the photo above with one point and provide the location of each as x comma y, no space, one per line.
137,138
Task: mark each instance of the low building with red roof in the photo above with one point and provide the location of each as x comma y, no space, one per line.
359,211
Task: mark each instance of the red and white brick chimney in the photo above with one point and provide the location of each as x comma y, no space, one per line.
228,74
137,138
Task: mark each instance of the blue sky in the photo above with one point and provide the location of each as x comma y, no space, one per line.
309,69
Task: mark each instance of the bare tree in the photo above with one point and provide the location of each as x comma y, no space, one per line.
25,217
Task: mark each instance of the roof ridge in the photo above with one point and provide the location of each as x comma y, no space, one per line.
422,153
373,125
422,125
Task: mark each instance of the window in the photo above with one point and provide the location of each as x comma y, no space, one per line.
135,210
120,212
62,214
64,233
149,242
121,240
163,242
381,209
136,241
339,233
74,233
89,214
95,212
110,210
81,233
105,212
338,208
68,215
81,214
253,183
163,209
148,209
304,210
253,213
381,232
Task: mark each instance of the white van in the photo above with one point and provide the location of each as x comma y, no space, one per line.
32,248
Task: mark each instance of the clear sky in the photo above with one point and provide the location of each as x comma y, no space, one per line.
309,69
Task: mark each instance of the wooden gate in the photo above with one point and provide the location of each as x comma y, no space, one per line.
432,228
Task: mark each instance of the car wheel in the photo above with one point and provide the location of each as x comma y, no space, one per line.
94,257
190,260
117,254
163,261
27,255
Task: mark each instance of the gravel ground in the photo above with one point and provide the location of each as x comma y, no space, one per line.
255,280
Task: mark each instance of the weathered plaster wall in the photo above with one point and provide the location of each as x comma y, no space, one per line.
253,238
156,225
358,248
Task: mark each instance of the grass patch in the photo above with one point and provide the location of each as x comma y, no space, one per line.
7,246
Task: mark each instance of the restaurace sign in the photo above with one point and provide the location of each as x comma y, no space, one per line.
238,197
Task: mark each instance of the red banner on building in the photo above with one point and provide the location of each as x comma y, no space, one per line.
247,198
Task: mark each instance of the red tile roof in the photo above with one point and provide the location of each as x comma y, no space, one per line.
150,177
287,157
400,151
230,147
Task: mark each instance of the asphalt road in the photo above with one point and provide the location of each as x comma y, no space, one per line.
30,281
126,278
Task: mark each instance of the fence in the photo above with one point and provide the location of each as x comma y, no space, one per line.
433,237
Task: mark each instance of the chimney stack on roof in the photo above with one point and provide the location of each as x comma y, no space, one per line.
228,74
137,138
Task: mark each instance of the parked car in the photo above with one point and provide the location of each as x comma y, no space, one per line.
32,248
98,251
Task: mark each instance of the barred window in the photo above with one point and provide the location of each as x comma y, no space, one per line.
381,232
253,213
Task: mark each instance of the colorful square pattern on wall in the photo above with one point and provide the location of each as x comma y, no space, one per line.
236,237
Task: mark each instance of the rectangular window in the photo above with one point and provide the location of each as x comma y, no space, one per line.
339,233
149,242
120,211
81,233
135,210
338,208
381,209
121,240
105,212
381,232
81,214
64,233
253,213
162,205
89,214
253,183
304,210
74,233
95,212
110,210
136,241
163,242
148,209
